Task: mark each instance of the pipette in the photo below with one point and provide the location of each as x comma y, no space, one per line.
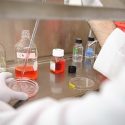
29,47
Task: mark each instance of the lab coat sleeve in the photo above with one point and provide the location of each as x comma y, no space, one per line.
106,107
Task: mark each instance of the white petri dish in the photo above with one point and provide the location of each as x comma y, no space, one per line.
81,83
24,85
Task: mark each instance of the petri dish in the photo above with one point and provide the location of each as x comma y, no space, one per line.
24,85
82,83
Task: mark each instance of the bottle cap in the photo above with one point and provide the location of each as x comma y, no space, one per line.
58,52
78,40
72,69
91,39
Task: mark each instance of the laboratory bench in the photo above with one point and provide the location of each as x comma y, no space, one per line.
57,85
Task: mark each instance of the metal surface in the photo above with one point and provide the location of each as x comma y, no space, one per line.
37,10
57,86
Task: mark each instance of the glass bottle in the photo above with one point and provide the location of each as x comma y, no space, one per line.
90,51
2,59
77,51
57,64
21,49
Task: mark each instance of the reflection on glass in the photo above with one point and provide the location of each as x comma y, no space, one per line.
79,67
56,83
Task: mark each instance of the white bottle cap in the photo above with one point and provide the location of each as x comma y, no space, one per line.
58,52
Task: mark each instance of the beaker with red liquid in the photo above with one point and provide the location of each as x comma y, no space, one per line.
28,73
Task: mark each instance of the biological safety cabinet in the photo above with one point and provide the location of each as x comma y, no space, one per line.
60,23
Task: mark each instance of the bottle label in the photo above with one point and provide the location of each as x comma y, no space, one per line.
52,66
23,55
35,65
75,50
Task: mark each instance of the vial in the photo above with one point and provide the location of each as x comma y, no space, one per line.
90,51
2,59
57,64
30,70
77,51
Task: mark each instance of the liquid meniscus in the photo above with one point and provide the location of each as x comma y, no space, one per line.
29,72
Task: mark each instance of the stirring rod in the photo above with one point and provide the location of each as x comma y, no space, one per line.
28,50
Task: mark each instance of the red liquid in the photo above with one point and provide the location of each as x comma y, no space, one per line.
29,72
59,67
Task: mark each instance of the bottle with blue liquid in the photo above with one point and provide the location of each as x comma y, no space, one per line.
90,51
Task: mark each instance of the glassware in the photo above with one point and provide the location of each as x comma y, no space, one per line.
57,64
81,83
24,85
90,50
77,51
30,70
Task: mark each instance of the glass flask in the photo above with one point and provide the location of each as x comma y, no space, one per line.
22,50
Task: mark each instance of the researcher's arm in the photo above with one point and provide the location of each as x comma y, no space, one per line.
104,108
102,29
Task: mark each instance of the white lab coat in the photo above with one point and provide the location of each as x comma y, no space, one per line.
106,107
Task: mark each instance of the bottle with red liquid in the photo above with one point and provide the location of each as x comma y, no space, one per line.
57,64
30,70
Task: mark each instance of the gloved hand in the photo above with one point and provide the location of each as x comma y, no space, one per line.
7,94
